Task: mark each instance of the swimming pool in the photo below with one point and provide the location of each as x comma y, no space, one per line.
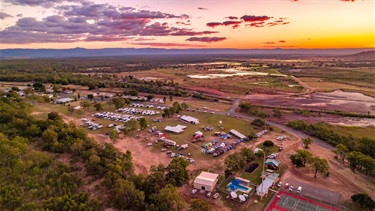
235,185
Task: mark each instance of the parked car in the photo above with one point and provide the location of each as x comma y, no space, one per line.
208,194
291,188
149,144
286,185
216,195
163,149
280,184
299,189
194,191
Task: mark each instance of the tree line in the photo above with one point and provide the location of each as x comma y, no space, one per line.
360,153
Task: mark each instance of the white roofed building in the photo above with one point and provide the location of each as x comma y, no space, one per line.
206,181
175,129
238,134
189,119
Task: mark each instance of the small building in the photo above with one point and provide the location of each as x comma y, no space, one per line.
263,188
206,181
273,164
175,129
64,100
238,134
189,119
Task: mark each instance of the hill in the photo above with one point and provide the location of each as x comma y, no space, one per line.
363,56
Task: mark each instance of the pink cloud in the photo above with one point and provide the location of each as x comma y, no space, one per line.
253,18
213,24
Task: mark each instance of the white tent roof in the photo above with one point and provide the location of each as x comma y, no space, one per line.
238,134
189,119
175,129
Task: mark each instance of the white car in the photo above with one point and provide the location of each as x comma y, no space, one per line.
216,195
291,188
208,194
194,191
299,189
280,184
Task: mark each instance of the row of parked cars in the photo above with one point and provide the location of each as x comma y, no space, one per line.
291,187
90,124
177,155
140,105
137,111
208,194
116,117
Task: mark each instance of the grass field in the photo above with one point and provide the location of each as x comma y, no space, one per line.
356,132
41,110
233,85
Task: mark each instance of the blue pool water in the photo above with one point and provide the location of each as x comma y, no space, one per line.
235,184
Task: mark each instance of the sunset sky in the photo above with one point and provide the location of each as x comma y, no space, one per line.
187,24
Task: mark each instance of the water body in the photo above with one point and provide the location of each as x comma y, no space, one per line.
230,73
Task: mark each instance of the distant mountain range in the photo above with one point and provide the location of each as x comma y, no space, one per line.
365,55
114,52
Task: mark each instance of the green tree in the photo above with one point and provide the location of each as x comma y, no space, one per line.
164,99
318,164
300,159
70,109
155,181
170,98
90,96
277,112
354,159
248,154
39,87
98,106
127,196
363,200
306,142
251,136
172,110
114,135
168,199
235,161
177,172
131,124
85,104
199,205
118,102
268,143
341,151
258,122
184,106
177,107
167,112
54,116
142,123
133,92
